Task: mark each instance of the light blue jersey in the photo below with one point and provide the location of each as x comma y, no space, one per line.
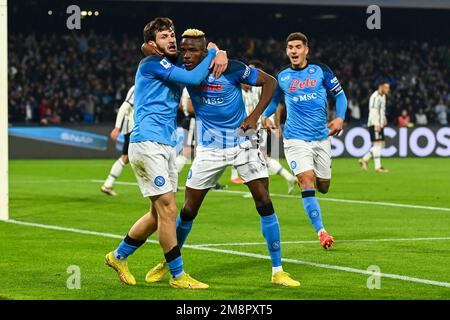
157,96
219,107
305,93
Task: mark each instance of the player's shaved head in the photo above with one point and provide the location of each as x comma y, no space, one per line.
157,25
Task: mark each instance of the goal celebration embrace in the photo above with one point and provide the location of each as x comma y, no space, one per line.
186,152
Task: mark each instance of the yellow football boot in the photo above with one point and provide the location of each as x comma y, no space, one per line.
121,267
157,272
284,279
187,282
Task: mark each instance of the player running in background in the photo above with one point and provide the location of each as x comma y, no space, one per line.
124,122
152,149
251,96
376,123
306,133
220,112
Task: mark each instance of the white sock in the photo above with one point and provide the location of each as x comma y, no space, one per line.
368,155
320,231
115,172
179,275
234,173
287,175
377,156
276,269
274,166
180,161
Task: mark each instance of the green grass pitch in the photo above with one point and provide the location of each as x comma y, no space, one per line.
410,245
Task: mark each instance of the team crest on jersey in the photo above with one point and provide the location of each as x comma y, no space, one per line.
311,70
166,64
160,181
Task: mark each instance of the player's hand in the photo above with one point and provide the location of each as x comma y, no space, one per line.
248,123
150,48
335,126
377,128
220,63
212,45
114,134
268,124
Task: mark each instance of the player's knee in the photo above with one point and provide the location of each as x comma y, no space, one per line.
265,209
306,180
168,212
187,214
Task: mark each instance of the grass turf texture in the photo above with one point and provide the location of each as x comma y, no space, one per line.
34,261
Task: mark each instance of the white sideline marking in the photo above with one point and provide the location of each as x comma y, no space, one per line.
245,193
246,254
400,205
317,241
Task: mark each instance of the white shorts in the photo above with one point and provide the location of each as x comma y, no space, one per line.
154,166
209,164
309,155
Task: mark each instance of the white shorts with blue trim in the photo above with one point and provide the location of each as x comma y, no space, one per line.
154,166
210,163
304,156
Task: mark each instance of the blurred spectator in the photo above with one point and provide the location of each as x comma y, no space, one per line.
404,120
441,112
421,118
83,76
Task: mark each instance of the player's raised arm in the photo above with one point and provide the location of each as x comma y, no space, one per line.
196,75
161,67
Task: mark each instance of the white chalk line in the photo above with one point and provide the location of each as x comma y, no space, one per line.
245,194
248,254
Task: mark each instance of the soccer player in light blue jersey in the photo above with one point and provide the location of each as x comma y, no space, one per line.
152,149
307,147
220,113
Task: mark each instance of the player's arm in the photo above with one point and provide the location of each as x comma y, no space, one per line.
271,109
268,85
374,113
162,68
219,63
333,86
196,75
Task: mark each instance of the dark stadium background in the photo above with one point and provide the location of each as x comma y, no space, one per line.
412,50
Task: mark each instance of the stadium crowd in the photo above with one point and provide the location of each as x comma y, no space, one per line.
79,78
